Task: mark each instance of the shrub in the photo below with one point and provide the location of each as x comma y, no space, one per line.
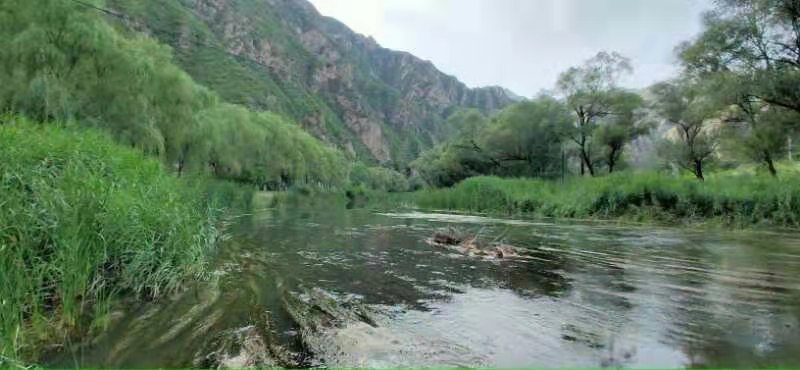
737,200
378,178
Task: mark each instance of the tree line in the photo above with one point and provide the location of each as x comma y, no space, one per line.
737,98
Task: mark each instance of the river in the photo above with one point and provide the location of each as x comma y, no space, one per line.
584,295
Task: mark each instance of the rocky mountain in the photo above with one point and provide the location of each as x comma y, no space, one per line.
282,55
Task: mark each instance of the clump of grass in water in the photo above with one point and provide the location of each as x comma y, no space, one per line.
83,220
731,199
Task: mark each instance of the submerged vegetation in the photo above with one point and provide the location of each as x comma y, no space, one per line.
83,220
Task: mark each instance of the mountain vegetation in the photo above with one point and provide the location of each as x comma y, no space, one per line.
62,61
380,105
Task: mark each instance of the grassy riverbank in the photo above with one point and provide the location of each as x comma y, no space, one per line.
731,199
83,220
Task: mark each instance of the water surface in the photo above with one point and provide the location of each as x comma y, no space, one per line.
588,295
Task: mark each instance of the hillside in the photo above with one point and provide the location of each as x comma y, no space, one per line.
282,55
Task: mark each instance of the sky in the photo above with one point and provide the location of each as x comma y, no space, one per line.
523,45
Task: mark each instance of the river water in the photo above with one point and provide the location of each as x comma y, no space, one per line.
585,295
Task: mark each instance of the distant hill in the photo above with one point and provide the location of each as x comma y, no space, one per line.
282,55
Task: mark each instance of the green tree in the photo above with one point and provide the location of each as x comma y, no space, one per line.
458,158
525,138
589,92
378,178
758,40
623,126
686,106
757,129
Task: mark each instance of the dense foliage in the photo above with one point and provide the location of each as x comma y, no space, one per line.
734,200
82,220
748,57
684,105
533,139
62,61
378,178
262,148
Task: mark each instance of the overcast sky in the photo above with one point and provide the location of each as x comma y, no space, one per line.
524,44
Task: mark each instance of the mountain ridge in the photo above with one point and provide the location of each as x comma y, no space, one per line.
376,103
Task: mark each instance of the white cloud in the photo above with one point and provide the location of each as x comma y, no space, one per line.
524,44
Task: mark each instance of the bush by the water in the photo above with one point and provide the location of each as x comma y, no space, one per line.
81,221
737,200
378,178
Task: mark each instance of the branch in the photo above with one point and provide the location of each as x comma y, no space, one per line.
476,148
794,107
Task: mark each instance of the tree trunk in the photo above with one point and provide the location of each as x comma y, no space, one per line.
588,162
770,164
612,160
698,169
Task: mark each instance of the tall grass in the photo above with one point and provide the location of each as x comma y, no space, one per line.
731,199
83,220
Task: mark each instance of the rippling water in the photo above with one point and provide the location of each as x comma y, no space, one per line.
588,295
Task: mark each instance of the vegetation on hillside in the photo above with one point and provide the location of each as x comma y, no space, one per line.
61,61
286,58
240,80
83,220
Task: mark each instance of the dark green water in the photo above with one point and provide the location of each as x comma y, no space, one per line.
588,295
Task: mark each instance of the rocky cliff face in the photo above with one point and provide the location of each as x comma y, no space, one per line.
342,86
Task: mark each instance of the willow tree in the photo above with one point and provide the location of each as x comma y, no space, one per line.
524,139
62,61
623,126
686,105
589,91
756,130
461,156
756,40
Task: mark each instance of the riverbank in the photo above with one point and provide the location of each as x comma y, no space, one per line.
82,221
732,200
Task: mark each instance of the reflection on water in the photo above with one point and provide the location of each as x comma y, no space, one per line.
587,295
